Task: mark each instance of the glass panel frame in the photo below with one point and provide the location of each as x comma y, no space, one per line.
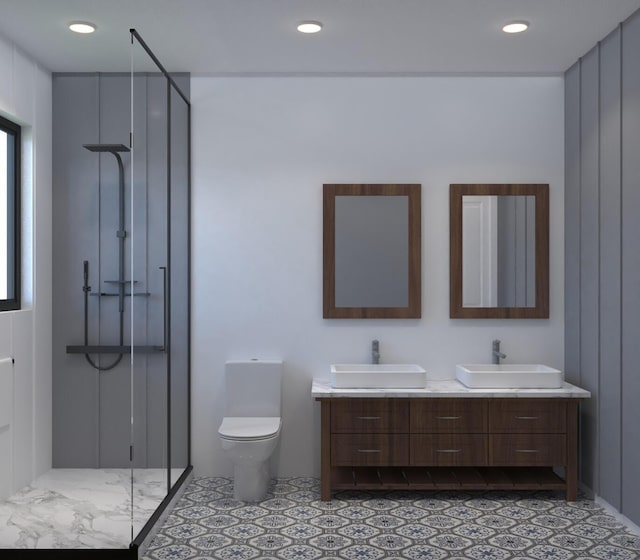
162,135
10,221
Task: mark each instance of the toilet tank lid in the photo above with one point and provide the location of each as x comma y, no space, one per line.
237,427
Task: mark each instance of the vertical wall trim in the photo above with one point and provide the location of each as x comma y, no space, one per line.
96,267
596,476
579,226
189,280
621,315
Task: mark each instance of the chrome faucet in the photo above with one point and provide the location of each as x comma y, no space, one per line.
375,352
496,355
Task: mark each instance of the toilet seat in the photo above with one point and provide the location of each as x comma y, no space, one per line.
249,428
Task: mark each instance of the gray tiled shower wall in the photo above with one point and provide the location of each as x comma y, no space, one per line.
602,270
91,410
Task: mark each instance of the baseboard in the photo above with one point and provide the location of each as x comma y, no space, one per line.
633,528
586,490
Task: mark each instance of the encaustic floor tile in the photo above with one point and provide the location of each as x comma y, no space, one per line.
292,523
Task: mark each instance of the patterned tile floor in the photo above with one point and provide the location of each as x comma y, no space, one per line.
293,524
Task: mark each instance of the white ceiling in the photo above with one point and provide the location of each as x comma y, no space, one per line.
247,37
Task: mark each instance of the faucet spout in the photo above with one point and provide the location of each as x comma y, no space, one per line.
375,352
496,355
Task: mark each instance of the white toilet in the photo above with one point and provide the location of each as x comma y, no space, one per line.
250,429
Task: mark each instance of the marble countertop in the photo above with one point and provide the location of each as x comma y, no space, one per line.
447,388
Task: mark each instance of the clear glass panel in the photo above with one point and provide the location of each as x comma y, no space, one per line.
91,308
149,264
115,403
179,330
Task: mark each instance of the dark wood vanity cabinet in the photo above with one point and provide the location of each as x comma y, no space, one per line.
448,432
369,433
449,443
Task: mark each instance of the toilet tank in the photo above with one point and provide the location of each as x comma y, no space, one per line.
253,388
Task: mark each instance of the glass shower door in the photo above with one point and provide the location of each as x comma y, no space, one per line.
160,259
179,243
150,312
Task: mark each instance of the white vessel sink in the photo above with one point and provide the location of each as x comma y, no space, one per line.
378,376
509,376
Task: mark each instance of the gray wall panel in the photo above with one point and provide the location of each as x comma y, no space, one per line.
115,385
572,225
156,187
92,410
530,282
516,251
75,201
589,259
610,261
506,252
602,203
630,268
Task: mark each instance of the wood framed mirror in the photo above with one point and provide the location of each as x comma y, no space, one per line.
499,251
372,251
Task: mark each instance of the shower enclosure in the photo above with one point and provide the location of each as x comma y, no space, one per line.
121,282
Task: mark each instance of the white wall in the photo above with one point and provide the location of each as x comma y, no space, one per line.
263,147
25,97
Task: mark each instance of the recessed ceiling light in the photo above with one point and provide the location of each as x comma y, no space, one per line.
516,27
82,26
309,26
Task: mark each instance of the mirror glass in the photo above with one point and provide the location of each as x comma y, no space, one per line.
371,251
498,251
372,262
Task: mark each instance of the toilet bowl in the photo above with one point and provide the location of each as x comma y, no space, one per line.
250,430
250,453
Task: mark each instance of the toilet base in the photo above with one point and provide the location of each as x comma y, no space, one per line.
250,481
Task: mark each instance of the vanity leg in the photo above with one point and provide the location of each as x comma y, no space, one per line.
325,451
571,474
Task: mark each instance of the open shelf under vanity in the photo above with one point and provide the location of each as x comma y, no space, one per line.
445,478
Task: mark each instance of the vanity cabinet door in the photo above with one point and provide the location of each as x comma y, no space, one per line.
443,450
366,450
358,416
527,416
448,416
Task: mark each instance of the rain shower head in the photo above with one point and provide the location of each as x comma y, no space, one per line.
112,148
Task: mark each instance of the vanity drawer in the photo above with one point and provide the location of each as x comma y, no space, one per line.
526,416
369,416
361,450
448,416
521,450
448,450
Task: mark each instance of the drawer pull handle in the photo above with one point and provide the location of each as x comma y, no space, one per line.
448,450
368,417
527,417
448,417
527,451
369,451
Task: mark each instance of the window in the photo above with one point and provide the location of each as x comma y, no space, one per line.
9,215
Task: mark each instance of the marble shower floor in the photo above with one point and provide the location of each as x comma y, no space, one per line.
291,523
81,508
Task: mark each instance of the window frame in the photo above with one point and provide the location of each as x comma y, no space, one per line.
14,191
